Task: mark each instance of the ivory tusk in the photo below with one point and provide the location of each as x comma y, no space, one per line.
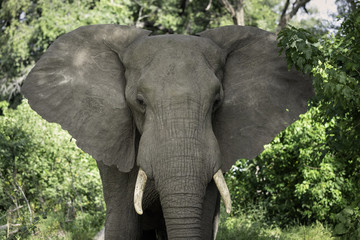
223,189
139,191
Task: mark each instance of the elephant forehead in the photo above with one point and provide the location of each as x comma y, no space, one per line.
190,76
181,47
178,69
173,62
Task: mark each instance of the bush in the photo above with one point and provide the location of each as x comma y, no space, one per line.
43,174
252,224
295,177
310,171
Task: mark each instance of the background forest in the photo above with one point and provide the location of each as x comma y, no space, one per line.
306,183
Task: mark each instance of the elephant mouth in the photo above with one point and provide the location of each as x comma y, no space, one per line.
141,183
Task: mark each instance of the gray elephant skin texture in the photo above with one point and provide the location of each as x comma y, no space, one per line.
162,114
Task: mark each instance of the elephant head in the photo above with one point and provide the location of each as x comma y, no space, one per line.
181,108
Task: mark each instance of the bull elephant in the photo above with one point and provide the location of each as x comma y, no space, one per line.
164,116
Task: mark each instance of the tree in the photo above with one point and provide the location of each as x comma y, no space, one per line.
346,7
310,171
43,174
29,27
295,178
236,10
287,15
182,17
261,13
334,65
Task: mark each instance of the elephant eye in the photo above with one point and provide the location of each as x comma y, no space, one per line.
217,102
140,100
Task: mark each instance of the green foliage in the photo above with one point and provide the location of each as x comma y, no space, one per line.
27,28
315,25
295,176
336,74
348,226
262,13
43,172
182,17
191,17
251,224
334,65
301,48
310,171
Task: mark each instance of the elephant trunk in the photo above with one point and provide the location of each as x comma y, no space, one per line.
182,199
185,162
182,186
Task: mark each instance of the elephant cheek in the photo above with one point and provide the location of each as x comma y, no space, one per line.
146,153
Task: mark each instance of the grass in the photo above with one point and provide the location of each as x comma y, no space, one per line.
55,226
83,227
252,226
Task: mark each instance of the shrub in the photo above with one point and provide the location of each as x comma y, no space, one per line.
43,173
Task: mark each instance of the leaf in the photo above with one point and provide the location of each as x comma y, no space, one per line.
300,61
307,68
348,92
340,229
301,46
307,51
348,211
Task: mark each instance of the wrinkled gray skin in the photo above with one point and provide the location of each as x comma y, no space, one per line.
179,107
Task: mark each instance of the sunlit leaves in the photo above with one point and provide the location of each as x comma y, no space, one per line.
310,171
54,174
295,177
29,27
301,48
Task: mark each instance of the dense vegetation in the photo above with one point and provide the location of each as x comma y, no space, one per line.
46,181
304,184
310,171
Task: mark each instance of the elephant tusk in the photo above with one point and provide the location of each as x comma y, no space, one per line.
223,189
139,191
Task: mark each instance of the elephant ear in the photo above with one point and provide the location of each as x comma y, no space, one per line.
79,83
262,97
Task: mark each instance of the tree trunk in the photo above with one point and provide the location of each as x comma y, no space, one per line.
284,17
239,13
236,11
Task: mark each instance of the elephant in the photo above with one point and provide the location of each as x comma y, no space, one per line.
165,116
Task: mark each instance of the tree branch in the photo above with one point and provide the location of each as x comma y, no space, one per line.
20,189
25,198
138,23
312,167
208,6
73,187
297,5
228,7
16,209
285,17
14,200
283,13
6,226
183,4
